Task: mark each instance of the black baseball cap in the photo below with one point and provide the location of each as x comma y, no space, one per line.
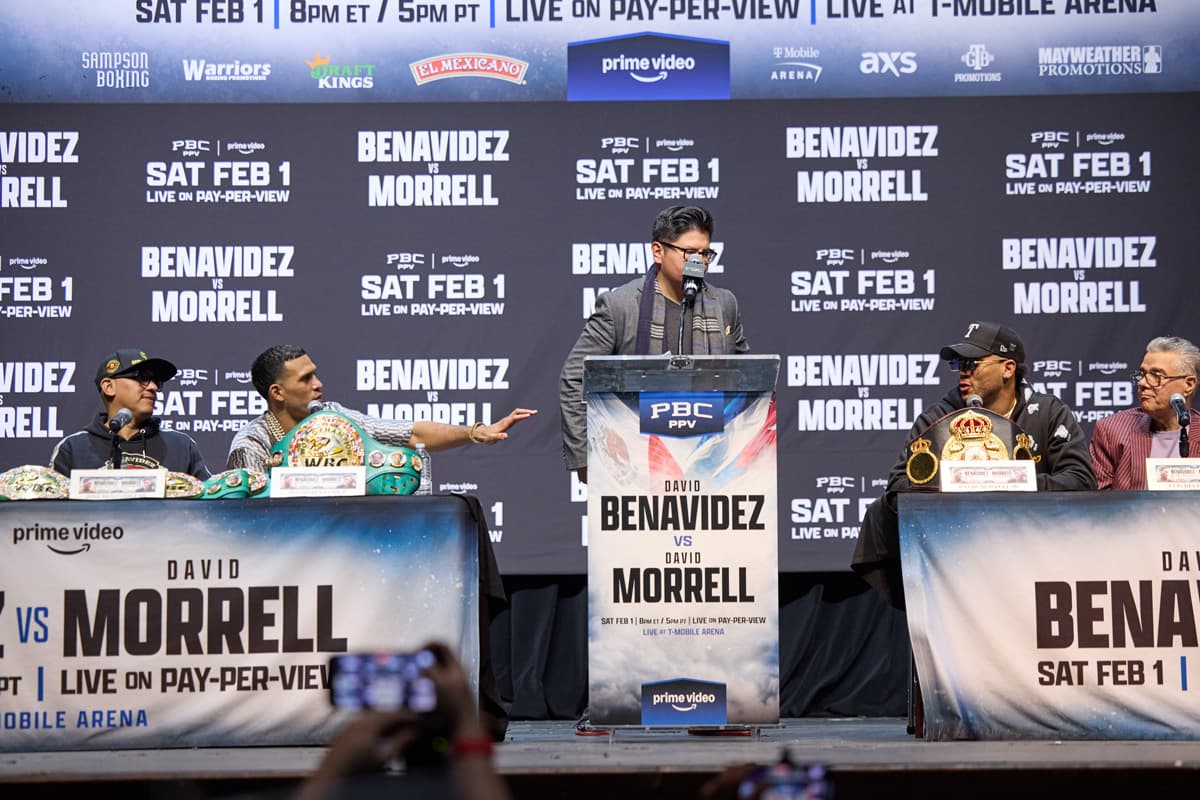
132,359
987,338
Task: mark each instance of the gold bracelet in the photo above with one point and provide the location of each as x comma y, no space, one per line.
471,433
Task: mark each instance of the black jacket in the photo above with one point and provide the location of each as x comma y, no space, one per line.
149,448
1063,464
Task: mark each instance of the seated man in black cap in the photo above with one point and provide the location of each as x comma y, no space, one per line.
990,362
129,381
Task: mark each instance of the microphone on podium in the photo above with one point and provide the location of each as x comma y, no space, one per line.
974,401
314,406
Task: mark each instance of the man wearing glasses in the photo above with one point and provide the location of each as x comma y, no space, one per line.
1122,443
989,361
128,381
644,316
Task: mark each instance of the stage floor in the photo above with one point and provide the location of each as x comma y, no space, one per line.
542,759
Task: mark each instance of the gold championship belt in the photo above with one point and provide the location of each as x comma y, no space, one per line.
969,434
331,439
32,482
182,485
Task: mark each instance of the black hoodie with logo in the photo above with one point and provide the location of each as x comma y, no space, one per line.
149,448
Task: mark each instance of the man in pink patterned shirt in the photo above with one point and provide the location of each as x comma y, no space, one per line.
1121,443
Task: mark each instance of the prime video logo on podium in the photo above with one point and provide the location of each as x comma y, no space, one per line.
683,701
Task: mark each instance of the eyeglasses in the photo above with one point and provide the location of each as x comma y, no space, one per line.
968,365
1154,378
707,255
144,377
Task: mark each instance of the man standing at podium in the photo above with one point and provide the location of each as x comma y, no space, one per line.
644,316
1166,382
989,361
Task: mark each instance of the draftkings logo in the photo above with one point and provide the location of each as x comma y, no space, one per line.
340,76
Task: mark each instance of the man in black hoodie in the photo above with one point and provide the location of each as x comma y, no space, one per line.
990,362
128,381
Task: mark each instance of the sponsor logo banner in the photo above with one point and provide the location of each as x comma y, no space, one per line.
648,66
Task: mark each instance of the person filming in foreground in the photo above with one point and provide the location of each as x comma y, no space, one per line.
357,757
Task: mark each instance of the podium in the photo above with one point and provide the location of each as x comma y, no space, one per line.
683,567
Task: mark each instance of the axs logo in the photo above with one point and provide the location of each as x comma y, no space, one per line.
894,63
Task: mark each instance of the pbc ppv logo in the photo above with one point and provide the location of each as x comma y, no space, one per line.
893,63
684,701
190,148
1054,368
619,145
1050,139
191,377
835,484
682,413
406,261
836,256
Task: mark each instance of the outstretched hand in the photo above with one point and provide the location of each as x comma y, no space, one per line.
498,430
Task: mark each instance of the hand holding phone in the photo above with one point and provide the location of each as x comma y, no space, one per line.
383,681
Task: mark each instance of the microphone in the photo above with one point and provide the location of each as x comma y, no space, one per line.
120,419
1181,409
314,406
693,278
974,401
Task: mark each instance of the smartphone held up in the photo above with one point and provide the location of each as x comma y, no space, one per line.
383,681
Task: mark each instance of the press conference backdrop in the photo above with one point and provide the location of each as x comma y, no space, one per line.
429,195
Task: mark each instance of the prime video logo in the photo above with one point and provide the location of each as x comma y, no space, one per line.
648,66
647,69
683,702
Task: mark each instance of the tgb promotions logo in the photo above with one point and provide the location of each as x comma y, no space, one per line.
681,413
648,66
977,58
684,701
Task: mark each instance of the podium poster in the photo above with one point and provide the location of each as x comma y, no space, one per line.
1064,615
683,600
177,623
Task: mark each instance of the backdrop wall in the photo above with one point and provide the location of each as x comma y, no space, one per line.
428,196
